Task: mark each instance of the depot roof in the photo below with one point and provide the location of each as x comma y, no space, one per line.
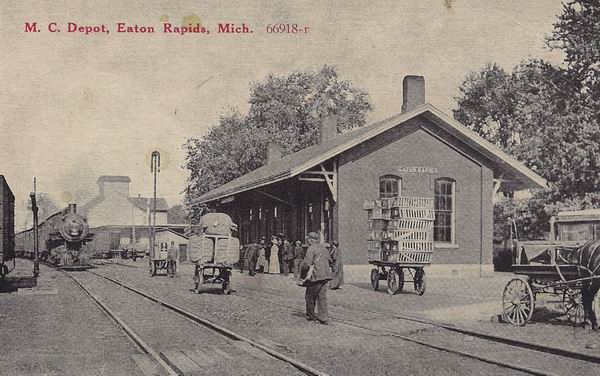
294,164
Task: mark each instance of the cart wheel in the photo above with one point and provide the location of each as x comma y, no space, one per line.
3,271
152,268
198,280
374,279
395,280
518,302
226,287
573,306
419,281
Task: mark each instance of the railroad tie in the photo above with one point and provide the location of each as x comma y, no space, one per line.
182,364
201,356
146,364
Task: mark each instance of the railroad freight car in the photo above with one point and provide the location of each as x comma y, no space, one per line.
63,239
7,228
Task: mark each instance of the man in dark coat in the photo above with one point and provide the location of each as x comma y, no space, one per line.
318,258
287,256
299,253
172,256
242,262
251,256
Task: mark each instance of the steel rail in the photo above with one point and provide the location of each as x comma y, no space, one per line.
500,363
587,357
142,345
491,337
304,368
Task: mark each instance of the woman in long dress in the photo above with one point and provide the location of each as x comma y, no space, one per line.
274,262
338,267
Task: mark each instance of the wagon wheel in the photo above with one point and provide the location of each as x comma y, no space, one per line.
152,268
374,279
226,287
3,271
395,280
518,302
419,281
573,306
198,280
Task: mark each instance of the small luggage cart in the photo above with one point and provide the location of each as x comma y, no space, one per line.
400,241
214,256
215,273
158,261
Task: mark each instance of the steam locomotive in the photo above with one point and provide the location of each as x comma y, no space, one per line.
62,240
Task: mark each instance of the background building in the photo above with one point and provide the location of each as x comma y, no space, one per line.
116,219
114,206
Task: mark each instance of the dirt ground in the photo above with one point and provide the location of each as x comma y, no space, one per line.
59,330
338,348
50,327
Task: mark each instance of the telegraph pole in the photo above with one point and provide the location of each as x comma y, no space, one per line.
34,209
154,168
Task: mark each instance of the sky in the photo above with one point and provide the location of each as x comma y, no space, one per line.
74,106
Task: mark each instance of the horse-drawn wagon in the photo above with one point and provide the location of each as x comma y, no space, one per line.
400,241
563,266
214,252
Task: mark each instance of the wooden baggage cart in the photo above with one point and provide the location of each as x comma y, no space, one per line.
158,261
400,241
214,256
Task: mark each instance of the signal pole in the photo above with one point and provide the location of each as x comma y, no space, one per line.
154,168
34,209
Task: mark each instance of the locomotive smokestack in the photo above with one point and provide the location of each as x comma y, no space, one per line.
72,208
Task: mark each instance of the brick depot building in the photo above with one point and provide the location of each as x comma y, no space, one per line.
420,152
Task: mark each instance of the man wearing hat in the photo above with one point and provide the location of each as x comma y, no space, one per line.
299,253
287,256
251,256
317,257
263,262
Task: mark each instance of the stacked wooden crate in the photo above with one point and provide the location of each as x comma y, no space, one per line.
400,229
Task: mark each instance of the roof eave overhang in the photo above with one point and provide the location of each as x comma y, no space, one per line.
526,178
246,187
524,175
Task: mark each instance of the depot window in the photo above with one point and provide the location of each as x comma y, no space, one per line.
444,224
389,186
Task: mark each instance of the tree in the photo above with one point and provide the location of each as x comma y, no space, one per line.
538,117
577,34
286,109
546,116
485,104
177,214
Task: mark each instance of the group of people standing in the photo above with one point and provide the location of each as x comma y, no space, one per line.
317,268
280,256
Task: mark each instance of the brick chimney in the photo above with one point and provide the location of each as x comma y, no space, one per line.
413,92
327,128
273,152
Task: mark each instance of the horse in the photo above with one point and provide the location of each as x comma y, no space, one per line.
587,259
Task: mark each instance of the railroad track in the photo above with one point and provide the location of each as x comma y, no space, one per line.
346,316
171,361
521,354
